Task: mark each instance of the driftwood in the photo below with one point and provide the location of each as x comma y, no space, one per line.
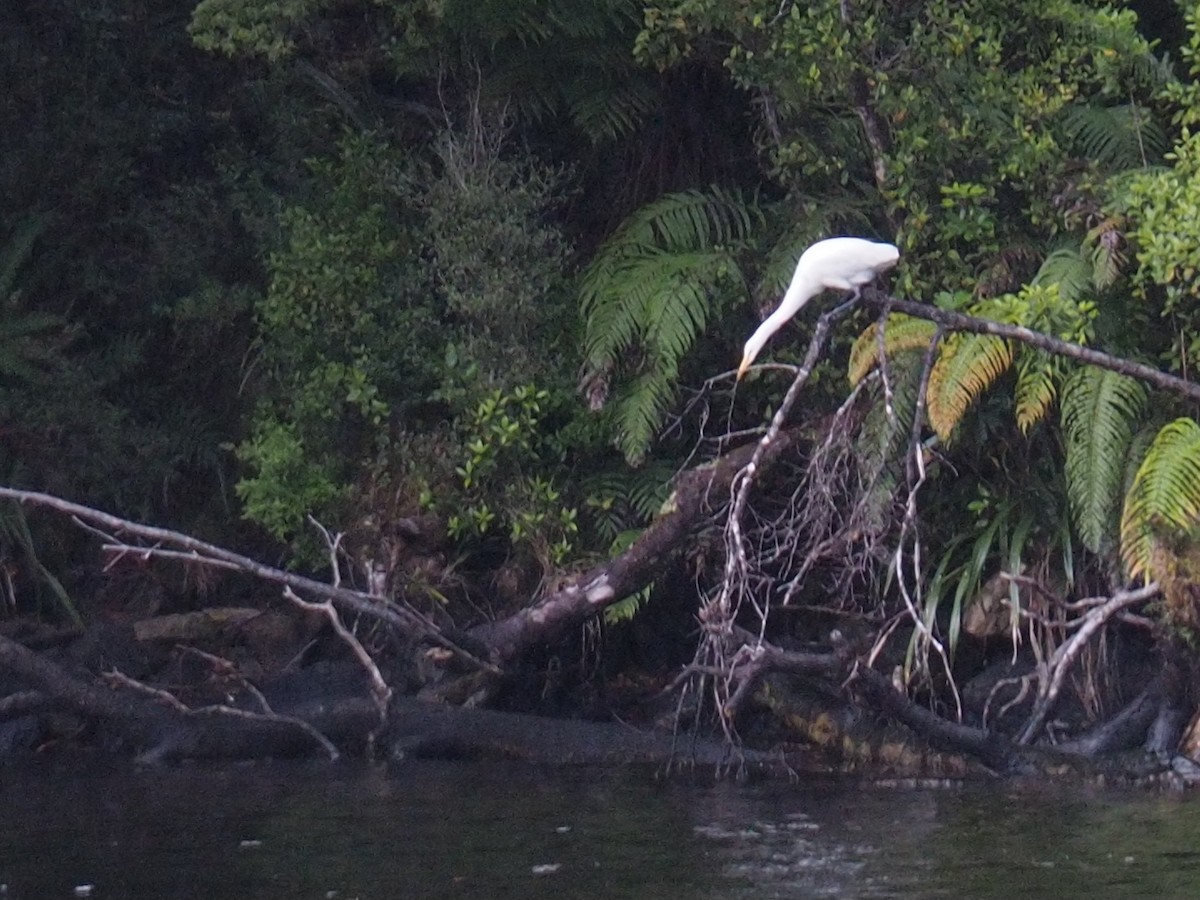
157,727
699,496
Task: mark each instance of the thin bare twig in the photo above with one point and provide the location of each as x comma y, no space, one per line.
165,697
380,692
398,615
718,614
1064,657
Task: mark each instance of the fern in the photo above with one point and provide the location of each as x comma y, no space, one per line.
1067,268
649,294
1165,496
900,333
967,365
1100,412
640,411
1037,376
883,440
573,55
1115,137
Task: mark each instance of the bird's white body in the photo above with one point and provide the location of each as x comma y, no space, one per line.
840,264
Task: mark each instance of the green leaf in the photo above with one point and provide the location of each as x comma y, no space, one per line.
649,294
1165,495
1100,411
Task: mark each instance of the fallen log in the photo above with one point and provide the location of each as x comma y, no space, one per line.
699,495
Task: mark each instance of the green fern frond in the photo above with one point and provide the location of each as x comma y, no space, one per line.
882,441
967,365
681,306
640,412
1116,137
606,111
662,307
649,293
1100,412
649,488
901,333
1067,268
624,610
1165,495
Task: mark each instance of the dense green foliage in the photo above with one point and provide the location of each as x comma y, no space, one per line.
282,259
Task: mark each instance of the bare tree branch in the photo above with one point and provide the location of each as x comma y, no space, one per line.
1065,656
956,321
400,616
718,614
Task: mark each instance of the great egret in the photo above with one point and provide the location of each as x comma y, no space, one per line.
841,263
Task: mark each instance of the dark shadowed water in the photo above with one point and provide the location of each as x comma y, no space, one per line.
485,831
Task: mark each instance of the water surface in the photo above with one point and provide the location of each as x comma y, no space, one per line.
467,830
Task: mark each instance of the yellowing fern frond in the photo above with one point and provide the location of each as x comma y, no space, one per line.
966,367
1036,389
899,334
1163,499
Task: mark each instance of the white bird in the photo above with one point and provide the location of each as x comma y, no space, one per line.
841,264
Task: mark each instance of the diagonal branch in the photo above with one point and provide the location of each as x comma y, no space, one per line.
1065,656
402,617
956,321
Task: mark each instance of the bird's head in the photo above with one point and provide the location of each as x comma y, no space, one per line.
755,344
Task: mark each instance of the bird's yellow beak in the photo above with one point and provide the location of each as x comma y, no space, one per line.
743,367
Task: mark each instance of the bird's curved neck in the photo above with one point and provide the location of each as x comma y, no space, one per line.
798,293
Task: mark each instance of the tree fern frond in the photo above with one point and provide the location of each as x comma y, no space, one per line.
1038,374
682,315
652,287
1067,268
649,488
1165,495
640,412
1100,411
967,366
684,222
606,111
900,333
1116,137
882,440
649,294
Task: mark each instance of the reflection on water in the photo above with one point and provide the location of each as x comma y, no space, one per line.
486,831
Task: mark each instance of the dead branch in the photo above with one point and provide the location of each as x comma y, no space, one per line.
166,698
719,613
22,703
1064,657
755,660
398,615
698,495
915,474
380,692
956,321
